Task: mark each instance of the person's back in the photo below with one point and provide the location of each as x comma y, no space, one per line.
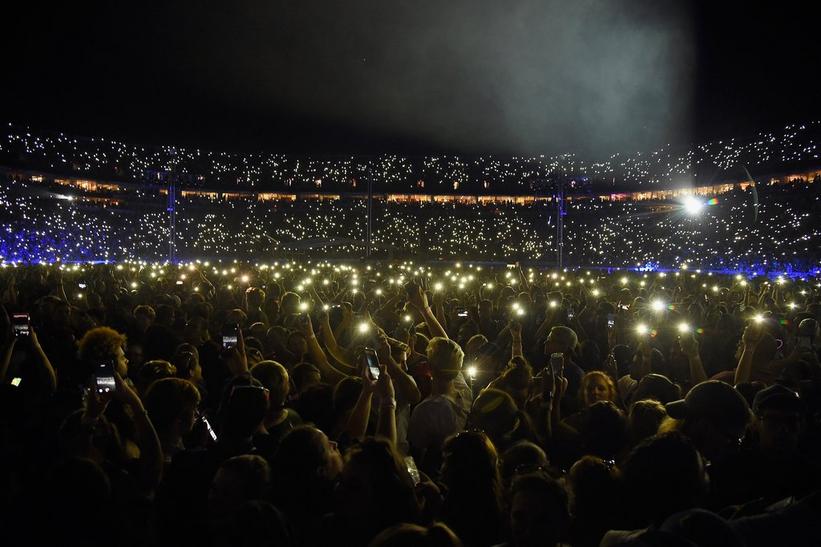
445,411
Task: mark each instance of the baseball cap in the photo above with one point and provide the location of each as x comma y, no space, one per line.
777,396
714,400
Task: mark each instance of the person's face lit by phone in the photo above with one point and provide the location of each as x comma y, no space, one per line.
121,362
595,390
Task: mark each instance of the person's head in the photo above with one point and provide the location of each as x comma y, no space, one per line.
516,380
603,430
255,296
274,378
297,344
778,415
595,491
165,315
495,412
597,386
656,387
144,316
304,376
522,457
413,535
151,371
445,358
474,343
172,405
99,443
104,344
346,393
539,514
714,415
289,303
187,362
644,419
238,480
235,317
78,490
245,408
375,490
663,475
561,340
470,465
305,467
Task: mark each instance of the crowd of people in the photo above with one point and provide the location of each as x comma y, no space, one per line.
777,228
303,403
104,158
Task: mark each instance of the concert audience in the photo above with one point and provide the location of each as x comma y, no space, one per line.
383,404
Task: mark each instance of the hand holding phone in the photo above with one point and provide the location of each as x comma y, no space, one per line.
371,363
557,363
104,382
230,337
21,325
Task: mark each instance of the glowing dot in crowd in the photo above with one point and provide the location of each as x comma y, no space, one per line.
363,327
692,205
642,329
683,328
658,305
472,371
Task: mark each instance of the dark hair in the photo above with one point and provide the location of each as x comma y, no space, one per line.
663,475
392,487
603,430
471,474
165,399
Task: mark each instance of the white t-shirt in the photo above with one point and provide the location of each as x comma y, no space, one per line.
438,417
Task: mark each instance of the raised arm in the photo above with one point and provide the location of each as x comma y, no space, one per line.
329,373
151,456
515,329
419,300
749,340
406,388
45,369
689,346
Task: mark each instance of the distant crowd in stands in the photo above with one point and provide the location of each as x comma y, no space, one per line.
392,404
777,227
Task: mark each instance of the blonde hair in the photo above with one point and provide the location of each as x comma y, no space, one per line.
445,358
587,378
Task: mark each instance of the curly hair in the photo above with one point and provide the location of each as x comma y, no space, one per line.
100,343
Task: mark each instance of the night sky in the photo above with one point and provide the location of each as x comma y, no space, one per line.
414,77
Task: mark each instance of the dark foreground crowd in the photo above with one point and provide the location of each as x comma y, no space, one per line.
396,405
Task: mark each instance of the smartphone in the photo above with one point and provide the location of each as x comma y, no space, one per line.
210,429
230,337
413,471
104,377
372,362
21,324
557,363
570,313
611,320
461,312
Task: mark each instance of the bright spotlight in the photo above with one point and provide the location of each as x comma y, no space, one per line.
658,305
693,205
